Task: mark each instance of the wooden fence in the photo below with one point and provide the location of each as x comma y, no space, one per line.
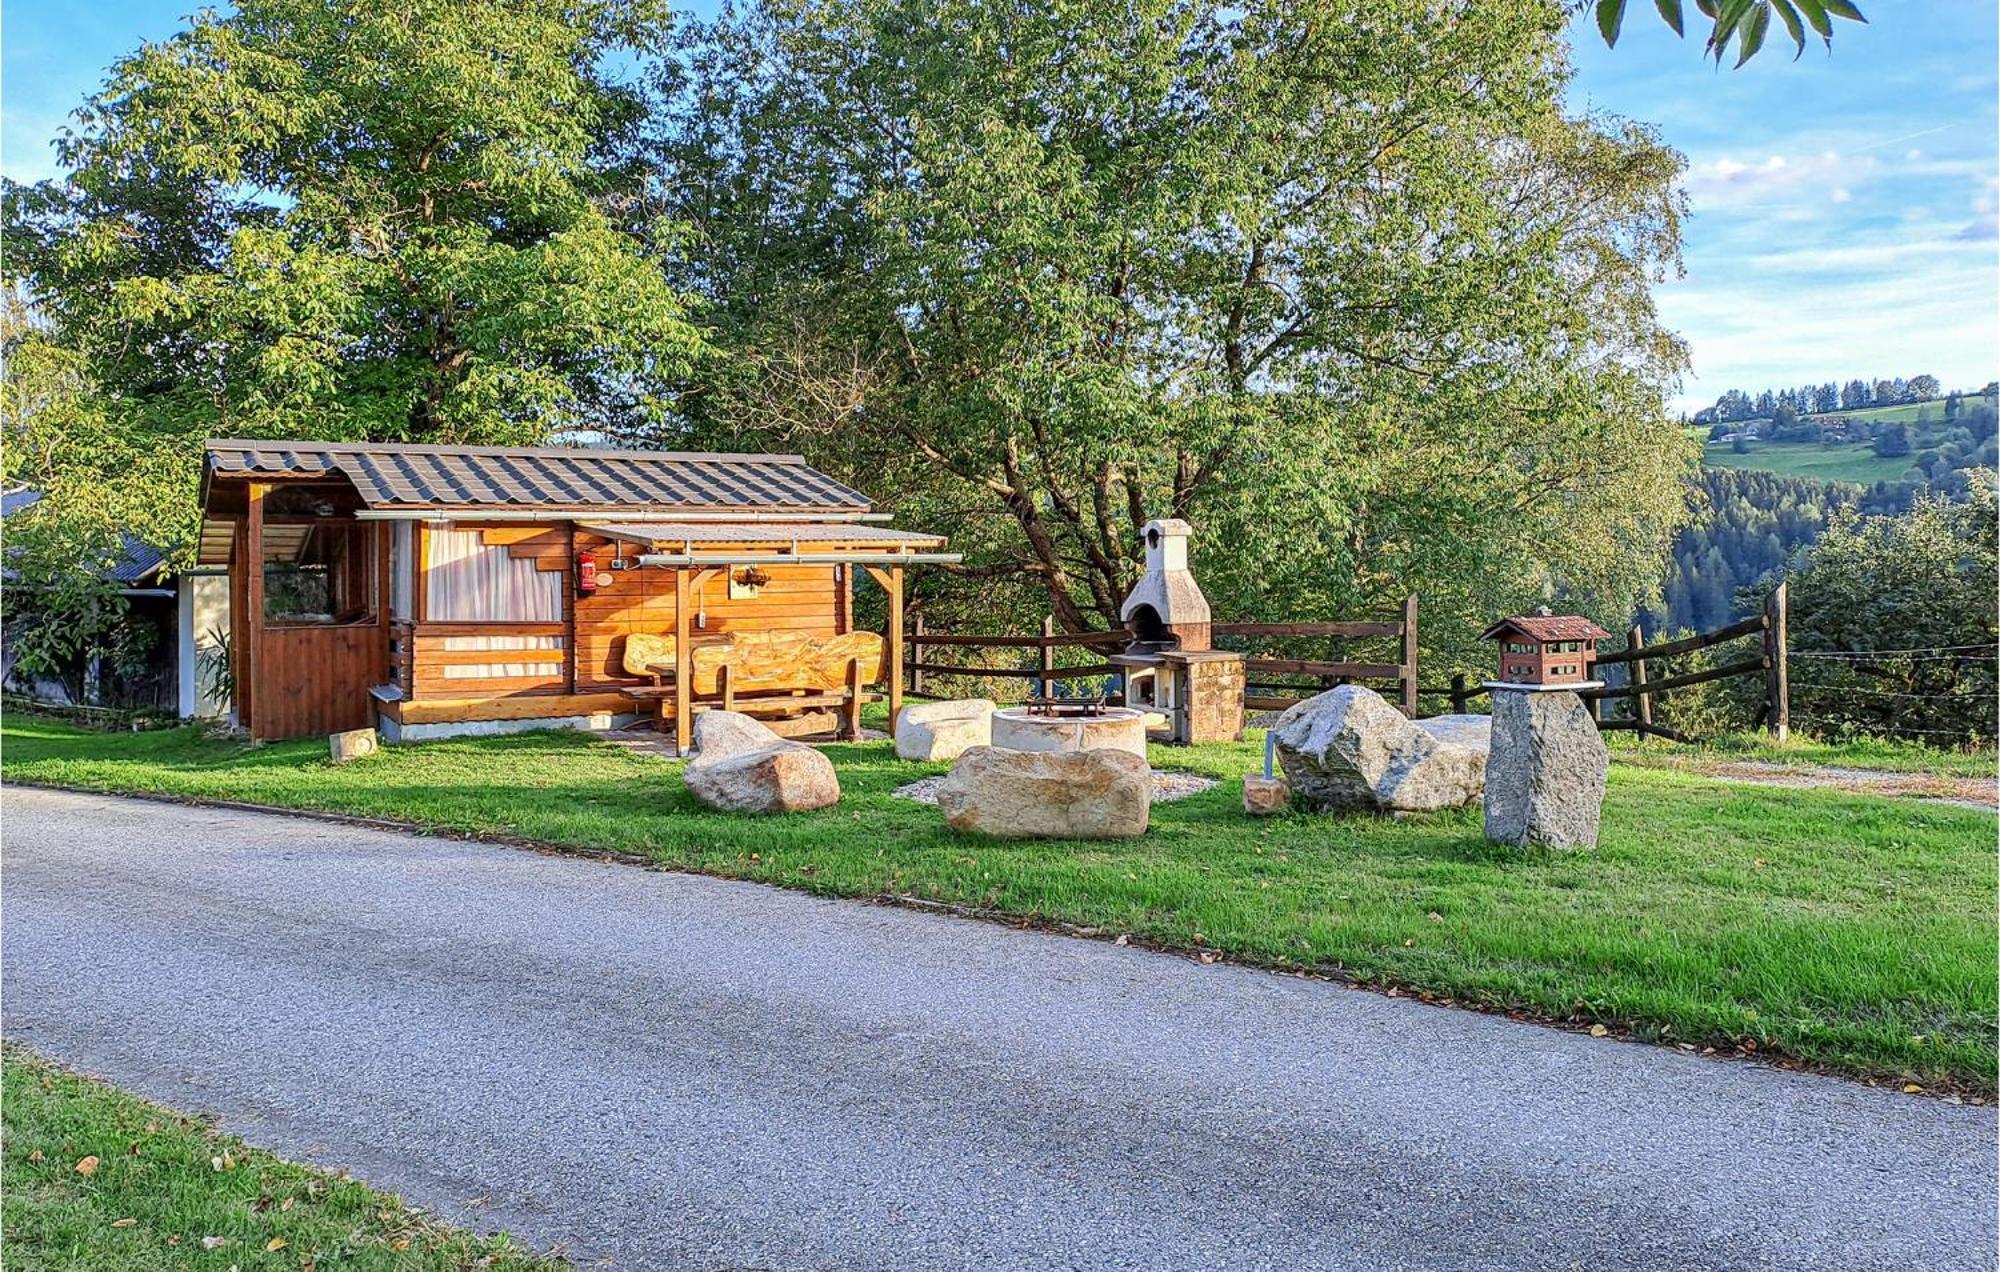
1769,662
1277,695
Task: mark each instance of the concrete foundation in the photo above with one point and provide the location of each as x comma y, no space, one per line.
597,722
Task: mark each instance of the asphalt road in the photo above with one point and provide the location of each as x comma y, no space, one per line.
670,1071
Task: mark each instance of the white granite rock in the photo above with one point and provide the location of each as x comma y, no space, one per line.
351,744
1101,794
1349,748
936,731
739,766
1545,780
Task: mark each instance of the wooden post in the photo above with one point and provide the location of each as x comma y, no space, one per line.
917,655
1409,659
1777,678
1047,655
726,683
382,585
683,666
895,646
891,581
1458,693
253,608
1642,703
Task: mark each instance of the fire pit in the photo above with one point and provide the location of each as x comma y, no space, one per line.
1035,728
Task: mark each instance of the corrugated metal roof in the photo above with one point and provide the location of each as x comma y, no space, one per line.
1548,627
390,475
784,533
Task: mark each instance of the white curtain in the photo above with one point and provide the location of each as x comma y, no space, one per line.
469,582
402,589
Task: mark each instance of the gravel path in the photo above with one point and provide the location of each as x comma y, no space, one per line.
669,1071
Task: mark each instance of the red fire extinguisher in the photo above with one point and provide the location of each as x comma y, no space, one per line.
586,575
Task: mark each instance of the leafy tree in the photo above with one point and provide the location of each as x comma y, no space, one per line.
63,616
1343,284
1893,440
1745,23
1923,388
314,218
1893,622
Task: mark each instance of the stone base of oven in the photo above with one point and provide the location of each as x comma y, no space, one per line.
1211,703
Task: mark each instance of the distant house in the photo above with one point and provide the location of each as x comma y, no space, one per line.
154,598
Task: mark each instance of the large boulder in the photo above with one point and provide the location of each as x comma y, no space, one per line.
1348,749
739,766
1545,781
935,731
1102,794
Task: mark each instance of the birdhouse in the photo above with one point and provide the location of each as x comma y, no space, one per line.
1546,649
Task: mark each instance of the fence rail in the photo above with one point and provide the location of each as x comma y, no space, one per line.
1324,672
1643,691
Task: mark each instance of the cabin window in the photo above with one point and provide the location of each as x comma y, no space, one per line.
318,572
468,581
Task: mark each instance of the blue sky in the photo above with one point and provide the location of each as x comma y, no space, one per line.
1844,206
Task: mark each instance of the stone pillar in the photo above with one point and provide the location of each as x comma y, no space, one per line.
1212,689
1545,774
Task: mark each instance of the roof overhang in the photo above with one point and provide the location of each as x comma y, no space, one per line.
692,545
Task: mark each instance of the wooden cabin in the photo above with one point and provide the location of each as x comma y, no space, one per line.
433,590
1546,649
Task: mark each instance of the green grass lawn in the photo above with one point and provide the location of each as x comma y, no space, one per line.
1908,412
1851,463
1883,755
1848,931
97,1180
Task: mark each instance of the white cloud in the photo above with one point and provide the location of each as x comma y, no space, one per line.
1841,194
1728,182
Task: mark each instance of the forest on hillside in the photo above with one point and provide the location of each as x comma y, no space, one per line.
1751,525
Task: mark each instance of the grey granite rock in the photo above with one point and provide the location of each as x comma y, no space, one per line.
1545,778
1349,749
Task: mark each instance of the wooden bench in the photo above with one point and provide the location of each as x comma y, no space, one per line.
663,697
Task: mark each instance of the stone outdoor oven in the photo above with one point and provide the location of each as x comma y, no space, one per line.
1169,666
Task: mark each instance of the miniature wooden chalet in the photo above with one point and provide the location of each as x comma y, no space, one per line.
1546,649
430,590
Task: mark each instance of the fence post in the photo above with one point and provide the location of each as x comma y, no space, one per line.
1048,653
1409,659
1642,703
1777,678
1458,694
917,656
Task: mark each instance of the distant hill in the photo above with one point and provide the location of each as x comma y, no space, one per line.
1937,446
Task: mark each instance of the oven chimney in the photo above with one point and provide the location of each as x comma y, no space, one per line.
1167,609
